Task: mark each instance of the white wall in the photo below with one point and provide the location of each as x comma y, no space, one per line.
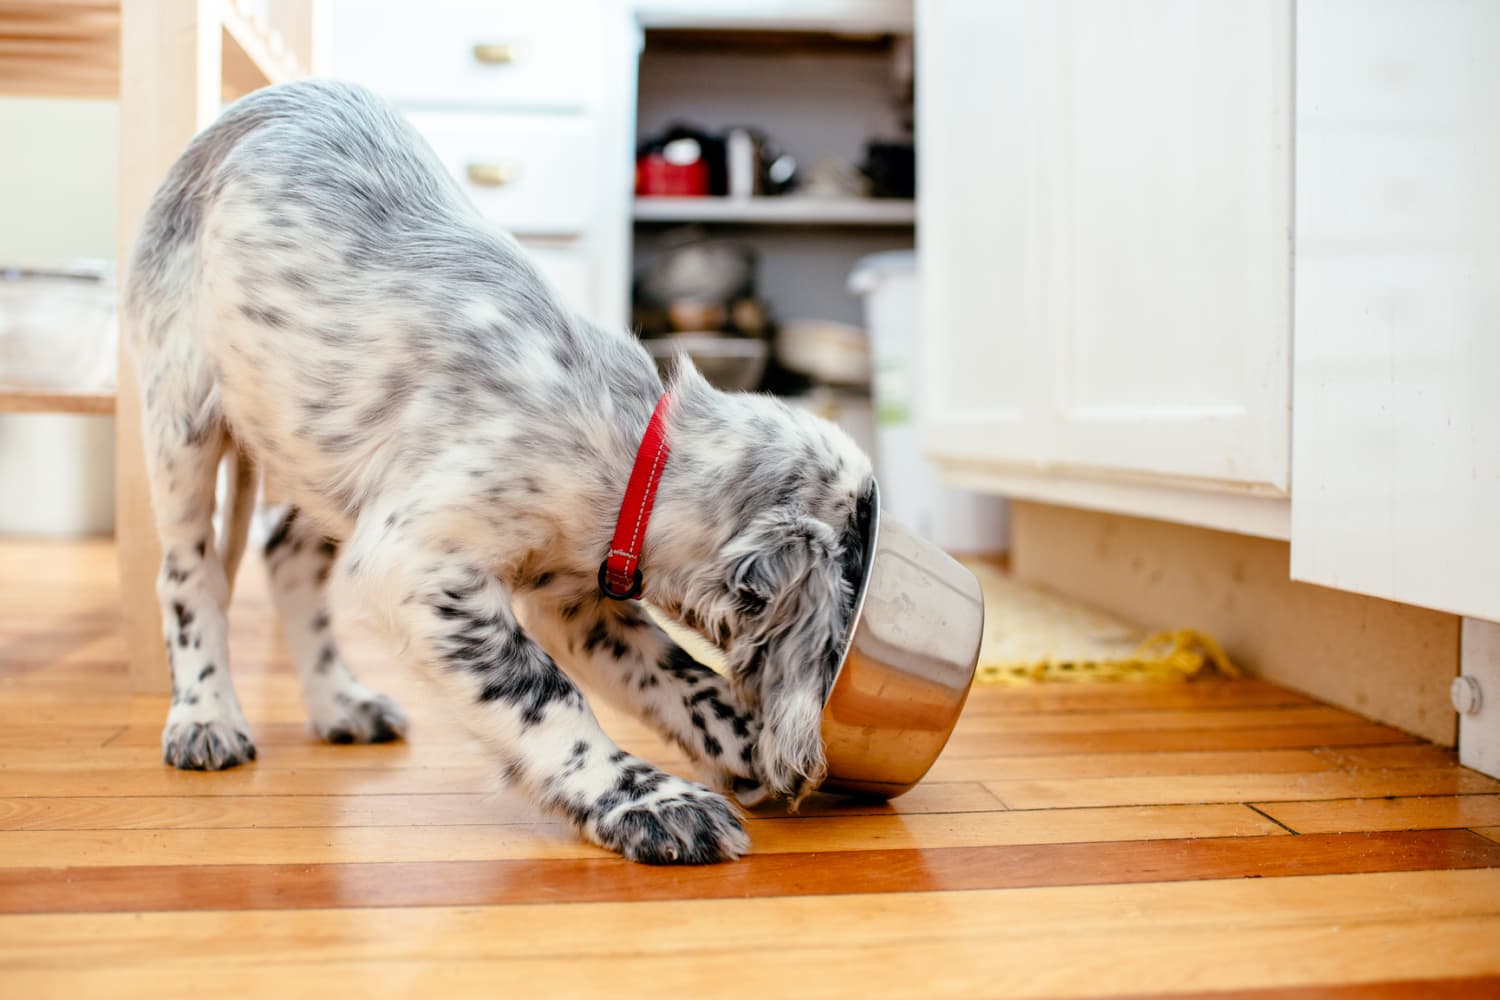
59,178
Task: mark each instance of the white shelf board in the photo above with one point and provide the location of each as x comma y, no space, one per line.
835,16
790,210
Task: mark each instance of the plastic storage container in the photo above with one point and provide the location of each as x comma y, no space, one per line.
958,520
57,331
57,328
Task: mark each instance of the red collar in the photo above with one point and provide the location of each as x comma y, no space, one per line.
620,572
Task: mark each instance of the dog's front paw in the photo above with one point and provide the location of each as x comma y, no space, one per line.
373,718
790,762
205,746
681,824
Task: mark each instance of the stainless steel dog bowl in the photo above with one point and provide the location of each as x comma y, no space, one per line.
907,667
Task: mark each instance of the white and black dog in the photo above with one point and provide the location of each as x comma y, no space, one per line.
311,293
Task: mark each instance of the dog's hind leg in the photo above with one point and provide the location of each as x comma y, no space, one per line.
339,708
184,438
628,659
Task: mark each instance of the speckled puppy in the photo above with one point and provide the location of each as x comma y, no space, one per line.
311,293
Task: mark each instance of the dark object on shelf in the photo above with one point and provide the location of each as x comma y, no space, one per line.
687,161
756,165
682,161
891,168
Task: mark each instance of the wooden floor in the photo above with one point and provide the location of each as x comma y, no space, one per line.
1073,841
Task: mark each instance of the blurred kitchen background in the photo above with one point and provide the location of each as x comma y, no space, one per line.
733,180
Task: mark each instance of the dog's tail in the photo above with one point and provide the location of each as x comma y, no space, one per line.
239,502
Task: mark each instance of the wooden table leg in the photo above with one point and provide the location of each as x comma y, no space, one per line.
170,71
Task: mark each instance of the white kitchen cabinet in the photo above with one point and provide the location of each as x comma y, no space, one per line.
1104,228
531,107
1397,432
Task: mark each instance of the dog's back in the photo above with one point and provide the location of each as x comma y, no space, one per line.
308,275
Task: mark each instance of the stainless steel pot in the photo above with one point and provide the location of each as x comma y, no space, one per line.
908,665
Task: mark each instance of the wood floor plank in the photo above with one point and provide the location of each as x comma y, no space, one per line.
1402,989
1119,960
27,734
309,753
254,781
1105,765
1247,692
1158,720
1141,741
289,746
143,730
1075,792
249,780
179,812
439,883
1492,832
688,929
1417,813
438,809
1353,758
331,842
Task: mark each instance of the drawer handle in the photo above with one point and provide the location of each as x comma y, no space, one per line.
491,174
496,53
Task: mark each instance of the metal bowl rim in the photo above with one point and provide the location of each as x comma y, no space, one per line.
857,616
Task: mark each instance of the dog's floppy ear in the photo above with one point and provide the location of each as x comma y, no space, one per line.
786,587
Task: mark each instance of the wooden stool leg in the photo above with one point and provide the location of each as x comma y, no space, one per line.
170,70
136,546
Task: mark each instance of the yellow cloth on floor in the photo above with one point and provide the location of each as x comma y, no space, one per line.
1032,635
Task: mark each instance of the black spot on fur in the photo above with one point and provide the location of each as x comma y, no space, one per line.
172,571
531,688
206,672
281,532
264,315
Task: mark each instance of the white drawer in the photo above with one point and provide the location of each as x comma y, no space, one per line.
533,174
492,53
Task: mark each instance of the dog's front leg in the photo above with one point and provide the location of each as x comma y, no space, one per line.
627,658
456,623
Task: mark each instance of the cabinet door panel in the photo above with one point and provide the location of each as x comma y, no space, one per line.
1117,196
979,245
1397,430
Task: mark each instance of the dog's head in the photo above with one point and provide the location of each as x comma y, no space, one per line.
791,502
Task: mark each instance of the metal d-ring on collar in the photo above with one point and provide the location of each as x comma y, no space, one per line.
620,572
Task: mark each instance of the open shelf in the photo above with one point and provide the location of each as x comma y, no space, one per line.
14,399
790,210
